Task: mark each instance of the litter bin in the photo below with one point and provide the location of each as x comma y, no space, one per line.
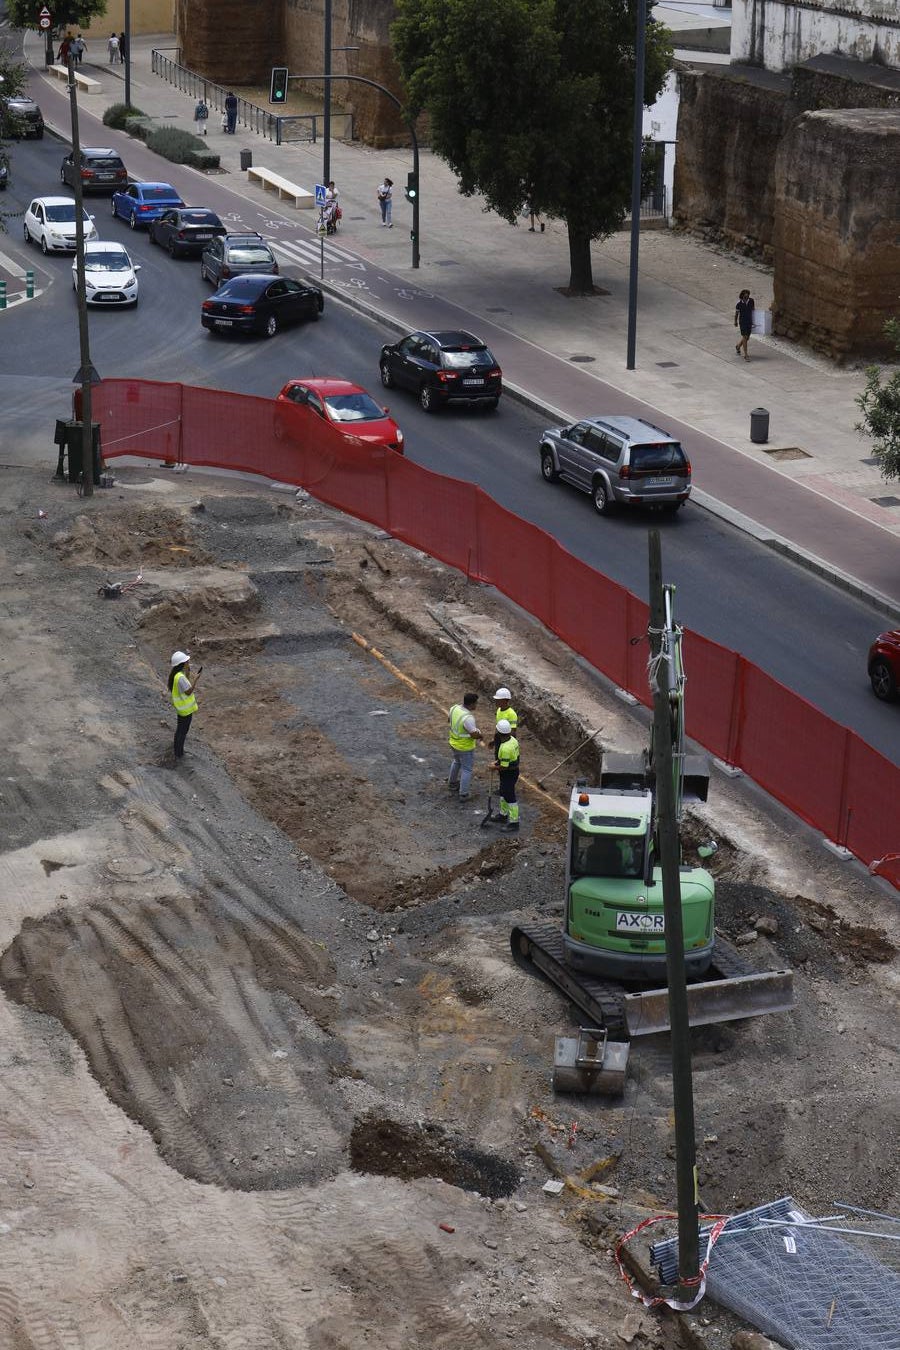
759,425
74,447
246,159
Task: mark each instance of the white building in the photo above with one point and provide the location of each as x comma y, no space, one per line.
780,33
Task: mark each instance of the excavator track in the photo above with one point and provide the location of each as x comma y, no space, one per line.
733,989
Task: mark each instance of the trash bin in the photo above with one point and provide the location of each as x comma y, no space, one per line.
759,425
74,447
246,159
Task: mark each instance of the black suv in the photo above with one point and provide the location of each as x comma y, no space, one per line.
233,255
101,171
23,118
443,366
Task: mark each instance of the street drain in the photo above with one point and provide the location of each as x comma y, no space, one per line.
389,1148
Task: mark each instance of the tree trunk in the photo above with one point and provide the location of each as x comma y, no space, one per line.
581,276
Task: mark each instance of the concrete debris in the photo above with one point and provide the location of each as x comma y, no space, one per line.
753,1340
767,924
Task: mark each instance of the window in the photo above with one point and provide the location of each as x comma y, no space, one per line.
601,445
607,855
577,433
666,457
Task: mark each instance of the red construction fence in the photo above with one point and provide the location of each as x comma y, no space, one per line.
822,771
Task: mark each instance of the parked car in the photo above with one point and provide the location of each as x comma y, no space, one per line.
50,222
101,171
22,117
4,171
260,304
442,366
141,203
884,665
305,407
618,460
109,274
233,255
185,230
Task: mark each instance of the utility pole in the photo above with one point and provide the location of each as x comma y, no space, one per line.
637,145
86,375
326,120
128,53
662,683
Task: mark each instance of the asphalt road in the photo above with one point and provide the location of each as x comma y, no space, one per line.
809,635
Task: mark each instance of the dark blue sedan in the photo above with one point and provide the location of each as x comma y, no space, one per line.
256,303
139,203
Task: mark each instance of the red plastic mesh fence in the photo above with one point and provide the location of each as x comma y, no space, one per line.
819,769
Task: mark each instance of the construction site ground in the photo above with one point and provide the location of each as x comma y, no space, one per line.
271,1076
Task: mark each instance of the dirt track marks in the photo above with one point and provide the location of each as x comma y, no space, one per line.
198,1004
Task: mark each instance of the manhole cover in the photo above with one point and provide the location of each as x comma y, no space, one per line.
871,460
496,309
665,364
582,360
446,262
886,501
786,452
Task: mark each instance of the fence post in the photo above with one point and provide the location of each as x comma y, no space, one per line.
736,717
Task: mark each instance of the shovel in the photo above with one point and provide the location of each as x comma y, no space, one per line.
490,818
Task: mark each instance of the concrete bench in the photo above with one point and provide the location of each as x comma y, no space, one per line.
83,82
268,179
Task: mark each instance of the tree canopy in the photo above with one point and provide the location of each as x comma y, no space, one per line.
880,406
531,102
72,13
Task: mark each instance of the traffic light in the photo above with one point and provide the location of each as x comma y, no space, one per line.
279,86
412,186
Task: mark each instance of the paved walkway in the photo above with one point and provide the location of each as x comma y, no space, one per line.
812,490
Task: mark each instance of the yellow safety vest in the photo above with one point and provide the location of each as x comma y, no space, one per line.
459,737
184,704
508,754
511,716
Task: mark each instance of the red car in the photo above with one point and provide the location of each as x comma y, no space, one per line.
884,665
305,407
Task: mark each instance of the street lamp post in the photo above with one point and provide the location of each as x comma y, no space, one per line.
640,43
127,53
87,375
326,120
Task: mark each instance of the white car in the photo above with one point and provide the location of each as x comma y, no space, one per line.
109,274
50,222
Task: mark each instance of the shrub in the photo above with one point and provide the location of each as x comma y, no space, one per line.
173,144
117,115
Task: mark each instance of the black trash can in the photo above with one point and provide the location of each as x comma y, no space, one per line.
759,425
74,447
246,159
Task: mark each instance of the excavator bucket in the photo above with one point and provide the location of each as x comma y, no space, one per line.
726,1000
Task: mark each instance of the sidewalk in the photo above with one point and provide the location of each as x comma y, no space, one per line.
812,490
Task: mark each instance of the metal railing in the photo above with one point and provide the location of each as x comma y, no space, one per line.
277,128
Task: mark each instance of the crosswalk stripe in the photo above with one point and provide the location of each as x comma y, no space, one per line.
309,250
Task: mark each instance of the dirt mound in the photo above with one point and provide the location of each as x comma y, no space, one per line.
134,536
391,1149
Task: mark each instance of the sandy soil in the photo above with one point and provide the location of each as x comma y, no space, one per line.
271,1076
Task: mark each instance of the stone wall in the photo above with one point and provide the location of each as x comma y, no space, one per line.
231,42
730,124
836,242
835,82
779,34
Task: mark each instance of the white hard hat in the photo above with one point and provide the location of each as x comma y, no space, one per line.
503,727
178,659
503,692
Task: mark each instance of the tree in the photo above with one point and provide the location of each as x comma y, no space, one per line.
558,133
880,406
12,82
74,13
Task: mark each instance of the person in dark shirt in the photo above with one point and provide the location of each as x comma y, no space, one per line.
743,319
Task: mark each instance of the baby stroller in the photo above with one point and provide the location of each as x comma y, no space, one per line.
331,217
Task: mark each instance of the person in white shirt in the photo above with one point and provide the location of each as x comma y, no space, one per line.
385,201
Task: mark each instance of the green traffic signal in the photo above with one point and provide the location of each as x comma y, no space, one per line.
278,86
412,186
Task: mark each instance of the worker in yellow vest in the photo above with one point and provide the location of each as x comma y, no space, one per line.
464,734
503,711
183,687
507,762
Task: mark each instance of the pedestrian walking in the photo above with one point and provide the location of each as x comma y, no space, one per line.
743,319
386,202
504,712
123,48
201,113
65,47
534,216
112,47
183,691
231,111
78,48
507,762
464,734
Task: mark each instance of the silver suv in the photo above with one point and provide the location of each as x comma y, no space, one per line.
618,460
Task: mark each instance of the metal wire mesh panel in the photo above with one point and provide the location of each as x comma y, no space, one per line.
805,1285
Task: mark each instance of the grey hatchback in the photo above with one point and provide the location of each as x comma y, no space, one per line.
618,460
